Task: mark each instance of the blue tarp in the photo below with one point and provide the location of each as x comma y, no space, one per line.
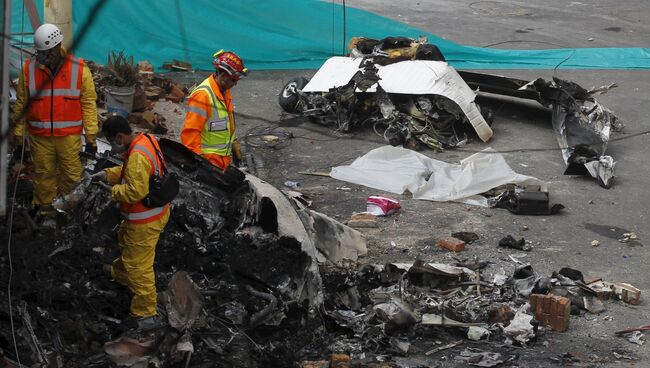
284,34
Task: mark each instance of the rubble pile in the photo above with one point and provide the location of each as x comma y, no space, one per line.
150,88
237,290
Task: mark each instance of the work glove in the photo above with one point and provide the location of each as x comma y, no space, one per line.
236,153
99,176
91,149
236,150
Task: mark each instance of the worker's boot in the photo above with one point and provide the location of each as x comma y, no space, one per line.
46,218
145,324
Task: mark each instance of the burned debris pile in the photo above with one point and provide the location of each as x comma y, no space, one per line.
244,286
238,291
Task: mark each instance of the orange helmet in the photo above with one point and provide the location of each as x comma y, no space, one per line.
231,63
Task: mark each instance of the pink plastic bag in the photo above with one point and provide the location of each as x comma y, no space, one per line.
382,206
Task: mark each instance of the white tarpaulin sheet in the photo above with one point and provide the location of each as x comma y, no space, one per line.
396,170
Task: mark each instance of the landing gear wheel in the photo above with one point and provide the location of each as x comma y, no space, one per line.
288,99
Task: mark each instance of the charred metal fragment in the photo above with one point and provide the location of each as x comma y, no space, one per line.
414,101
581,124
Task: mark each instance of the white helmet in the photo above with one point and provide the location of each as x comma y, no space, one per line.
47,36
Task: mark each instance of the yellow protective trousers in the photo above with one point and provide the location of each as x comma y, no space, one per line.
57,167
134,268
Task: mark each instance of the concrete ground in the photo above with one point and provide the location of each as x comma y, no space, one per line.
558,241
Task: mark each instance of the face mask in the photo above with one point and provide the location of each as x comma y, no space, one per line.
41,58
117,148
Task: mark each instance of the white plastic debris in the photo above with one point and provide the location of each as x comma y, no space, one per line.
500,280
636,337
520,328
476,333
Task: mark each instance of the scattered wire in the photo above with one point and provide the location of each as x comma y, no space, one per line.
523,41
267,137
11,268
563,61
344,29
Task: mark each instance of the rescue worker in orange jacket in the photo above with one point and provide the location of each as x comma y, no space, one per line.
139,232
209,128
55,103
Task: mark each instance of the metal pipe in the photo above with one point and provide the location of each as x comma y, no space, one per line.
59,13
258,318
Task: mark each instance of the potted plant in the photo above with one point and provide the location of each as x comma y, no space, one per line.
120,83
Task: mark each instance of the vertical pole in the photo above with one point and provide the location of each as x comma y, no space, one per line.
34,18
4,106
59,13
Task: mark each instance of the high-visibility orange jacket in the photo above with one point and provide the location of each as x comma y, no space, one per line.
58,105
141,162
200,108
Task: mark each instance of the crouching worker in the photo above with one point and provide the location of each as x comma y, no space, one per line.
139,231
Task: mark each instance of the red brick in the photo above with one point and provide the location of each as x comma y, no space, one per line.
363,220
450,243
551,311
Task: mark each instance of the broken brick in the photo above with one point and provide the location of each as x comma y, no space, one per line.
602,289
363,220
500,314
450,243
551,311
315,364
627,292
592,279
340,361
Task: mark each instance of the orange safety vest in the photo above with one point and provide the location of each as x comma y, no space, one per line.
137,212
55,101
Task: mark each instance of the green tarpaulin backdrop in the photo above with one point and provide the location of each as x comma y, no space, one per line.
283,34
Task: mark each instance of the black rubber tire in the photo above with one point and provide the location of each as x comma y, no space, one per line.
289,101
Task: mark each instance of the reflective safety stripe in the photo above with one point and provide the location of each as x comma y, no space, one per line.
57,124
216,137
218,125
197,111
135,216
75,71
73,91
216,146
142,149
213,97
